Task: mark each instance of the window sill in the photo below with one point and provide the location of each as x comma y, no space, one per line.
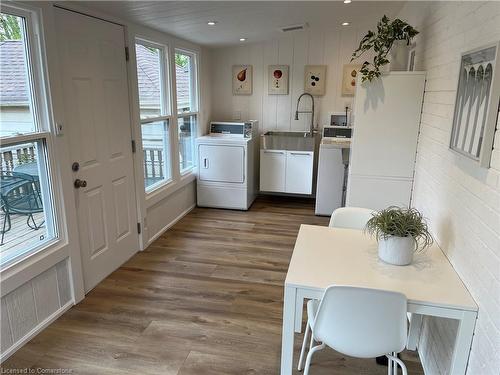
166,190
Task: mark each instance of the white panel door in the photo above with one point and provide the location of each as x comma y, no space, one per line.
272,170
222,163
299,172
386,125
94,79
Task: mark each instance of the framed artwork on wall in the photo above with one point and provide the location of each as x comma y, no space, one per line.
477,104
277,80
315,79
242,79
349,74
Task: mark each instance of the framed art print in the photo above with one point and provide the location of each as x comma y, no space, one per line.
277,80
349,74
477,104
315,79
242,79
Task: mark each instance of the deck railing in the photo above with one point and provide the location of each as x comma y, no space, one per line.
11,157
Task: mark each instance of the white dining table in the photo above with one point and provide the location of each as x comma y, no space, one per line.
326,256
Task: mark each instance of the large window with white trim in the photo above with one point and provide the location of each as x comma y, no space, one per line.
187,107
27,218
152,77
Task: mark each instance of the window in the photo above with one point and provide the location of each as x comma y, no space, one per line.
155,120
187,107
27,220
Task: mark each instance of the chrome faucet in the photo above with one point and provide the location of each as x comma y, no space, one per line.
311,111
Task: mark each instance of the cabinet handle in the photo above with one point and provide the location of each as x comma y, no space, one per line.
273,152
300,153
205,163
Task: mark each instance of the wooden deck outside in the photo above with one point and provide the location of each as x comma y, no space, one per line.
20,234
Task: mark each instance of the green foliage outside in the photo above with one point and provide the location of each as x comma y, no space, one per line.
181,60
10,29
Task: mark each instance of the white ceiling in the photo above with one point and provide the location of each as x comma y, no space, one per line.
255,20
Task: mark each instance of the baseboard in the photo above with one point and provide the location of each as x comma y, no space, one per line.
35,331
166,227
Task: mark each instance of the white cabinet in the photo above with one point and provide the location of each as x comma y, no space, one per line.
299,171
272,170
286,171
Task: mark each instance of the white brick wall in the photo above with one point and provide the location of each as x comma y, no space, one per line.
461,200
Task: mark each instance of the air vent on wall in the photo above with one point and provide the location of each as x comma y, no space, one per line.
288,28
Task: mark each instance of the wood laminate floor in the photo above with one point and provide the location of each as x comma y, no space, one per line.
205,298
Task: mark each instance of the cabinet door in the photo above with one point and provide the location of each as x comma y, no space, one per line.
299,171
272,170
221,163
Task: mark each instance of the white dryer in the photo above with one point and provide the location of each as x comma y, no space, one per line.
228,165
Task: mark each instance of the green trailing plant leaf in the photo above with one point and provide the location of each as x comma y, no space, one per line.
400,222
381,42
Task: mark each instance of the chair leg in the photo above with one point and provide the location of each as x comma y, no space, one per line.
309,357
303,350
396,361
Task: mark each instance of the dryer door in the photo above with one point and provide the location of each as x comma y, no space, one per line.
221,163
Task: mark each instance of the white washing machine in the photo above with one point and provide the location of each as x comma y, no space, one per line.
228,165
332,169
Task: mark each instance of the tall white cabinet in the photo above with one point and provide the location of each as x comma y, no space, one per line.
384,143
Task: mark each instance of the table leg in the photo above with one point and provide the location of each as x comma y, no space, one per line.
287,336
299,309
463,343
414,333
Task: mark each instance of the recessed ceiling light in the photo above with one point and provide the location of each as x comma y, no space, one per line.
212,23
347,1
243,39
345,23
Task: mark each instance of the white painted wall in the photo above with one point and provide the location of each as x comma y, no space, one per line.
32,306
332,47
461,200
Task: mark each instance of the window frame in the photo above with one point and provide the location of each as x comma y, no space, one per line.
195,100
41,107
165,111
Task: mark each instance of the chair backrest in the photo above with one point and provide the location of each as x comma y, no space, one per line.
362,322
351,217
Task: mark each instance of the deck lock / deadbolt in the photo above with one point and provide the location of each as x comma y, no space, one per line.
75,166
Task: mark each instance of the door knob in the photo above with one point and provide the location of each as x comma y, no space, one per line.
80,183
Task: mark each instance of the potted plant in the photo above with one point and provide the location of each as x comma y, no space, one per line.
400,232
381,42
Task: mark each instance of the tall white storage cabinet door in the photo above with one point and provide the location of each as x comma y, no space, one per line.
386,125
299,170
272,170
222,163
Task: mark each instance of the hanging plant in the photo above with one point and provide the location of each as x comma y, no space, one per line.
381,42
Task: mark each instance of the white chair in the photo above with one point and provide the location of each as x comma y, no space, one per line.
351,217
358,322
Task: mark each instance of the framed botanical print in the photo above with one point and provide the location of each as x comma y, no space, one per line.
315,79
242,79
349,74
477,104
277,80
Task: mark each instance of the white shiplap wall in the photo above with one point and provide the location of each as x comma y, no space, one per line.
33,305
332,47
460,199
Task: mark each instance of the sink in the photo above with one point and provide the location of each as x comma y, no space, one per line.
289,141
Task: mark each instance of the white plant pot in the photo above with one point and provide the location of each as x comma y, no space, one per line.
399,56
396,250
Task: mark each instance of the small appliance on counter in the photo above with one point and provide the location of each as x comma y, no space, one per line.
228,165
332,169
